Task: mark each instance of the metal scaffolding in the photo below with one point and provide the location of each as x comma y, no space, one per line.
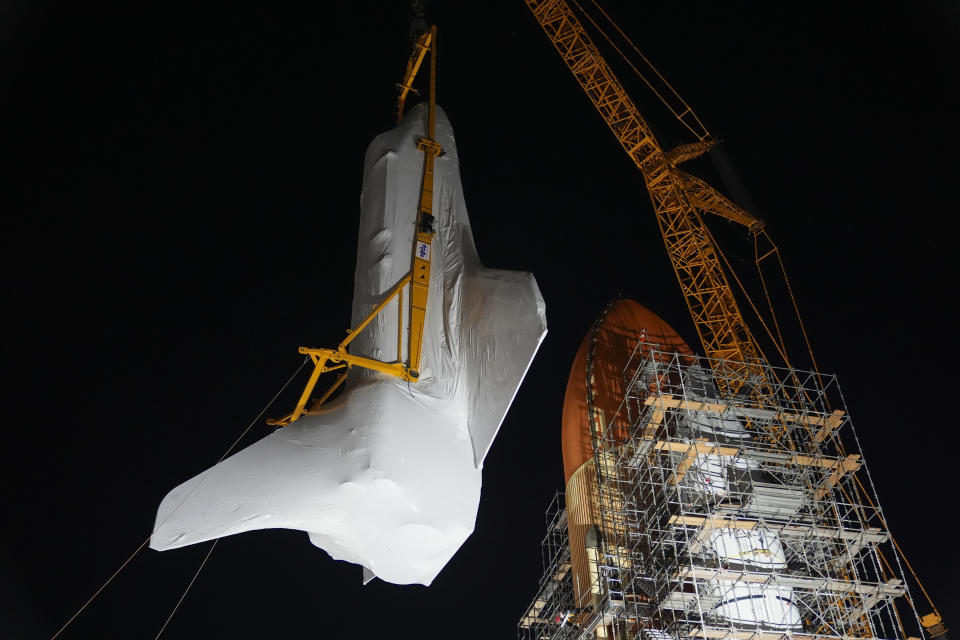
724,510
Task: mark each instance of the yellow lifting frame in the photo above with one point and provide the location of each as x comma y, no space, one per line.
420,48
325,360
423,236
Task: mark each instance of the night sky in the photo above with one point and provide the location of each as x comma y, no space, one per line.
184,184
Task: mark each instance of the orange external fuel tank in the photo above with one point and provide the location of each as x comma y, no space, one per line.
606,349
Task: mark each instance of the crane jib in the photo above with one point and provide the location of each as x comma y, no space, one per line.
694,256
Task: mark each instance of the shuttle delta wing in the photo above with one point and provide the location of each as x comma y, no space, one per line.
388,475
506,314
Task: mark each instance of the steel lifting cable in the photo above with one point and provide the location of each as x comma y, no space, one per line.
144,543
861,491
687,108
628,61
746,295
102,587
775,250
187,590
896,546
766,294
743,290
703,133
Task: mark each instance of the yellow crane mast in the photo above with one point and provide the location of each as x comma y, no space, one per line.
678,198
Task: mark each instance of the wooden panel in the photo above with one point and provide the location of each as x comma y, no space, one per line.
848,464
817,583
709,523
581,515
839,466
714,632
831,424
827,424
701,446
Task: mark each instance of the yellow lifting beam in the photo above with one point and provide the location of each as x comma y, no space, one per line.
418,278
423,237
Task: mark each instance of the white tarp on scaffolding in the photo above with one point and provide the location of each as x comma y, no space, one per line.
388,475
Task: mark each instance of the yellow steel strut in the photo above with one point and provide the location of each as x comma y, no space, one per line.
420,49
418,278
423,236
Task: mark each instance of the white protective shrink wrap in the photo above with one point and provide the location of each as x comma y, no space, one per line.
387,476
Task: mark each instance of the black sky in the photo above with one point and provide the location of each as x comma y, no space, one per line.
184,184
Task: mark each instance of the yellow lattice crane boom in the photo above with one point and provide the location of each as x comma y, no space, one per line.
678,198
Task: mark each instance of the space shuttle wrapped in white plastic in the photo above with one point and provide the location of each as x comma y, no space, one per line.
388,475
